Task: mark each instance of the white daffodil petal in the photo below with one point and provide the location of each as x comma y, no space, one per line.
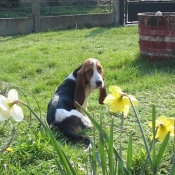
4,115
17,113
4,103
12,95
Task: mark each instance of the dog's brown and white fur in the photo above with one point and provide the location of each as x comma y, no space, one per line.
63,111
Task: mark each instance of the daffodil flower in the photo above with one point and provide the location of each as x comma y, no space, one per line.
9,107
164,125
119,101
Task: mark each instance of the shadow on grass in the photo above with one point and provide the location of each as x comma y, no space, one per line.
147,66
100,30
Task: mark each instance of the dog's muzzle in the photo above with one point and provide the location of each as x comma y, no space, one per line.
99,83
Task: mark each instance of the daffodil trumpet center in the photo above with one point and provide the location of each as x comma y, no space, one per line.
161,123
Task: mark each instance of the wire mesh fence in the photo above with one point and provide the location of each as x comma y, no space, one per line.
22,8
15,8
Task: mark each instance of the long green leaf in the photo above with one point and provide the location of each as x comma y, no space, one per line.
129,154
106,137
94,163
162,149
120,167
72,169
97,155
111,143
92,158
154,165
142,132
102,149
146,161
64,160
59,167
172,172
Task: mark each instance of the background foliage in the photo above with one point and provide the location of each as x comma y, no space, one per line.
38,63
23,8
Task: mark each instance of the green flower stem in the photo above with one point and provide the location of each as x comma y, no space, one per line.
120,167
143,169
22,103
143,135
36,116
10,141
144,166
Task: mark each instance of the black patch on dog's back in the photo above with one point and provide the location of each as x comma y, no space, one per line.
65,96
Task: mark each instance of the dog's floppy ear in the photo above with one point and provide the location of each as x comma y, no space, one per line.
102,95
103,92
79,94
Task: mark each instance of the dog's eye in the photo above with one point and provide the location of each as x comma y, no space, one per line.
100,70
89,72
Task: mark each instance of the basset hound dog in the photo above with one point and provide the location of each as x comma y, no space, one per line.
63,111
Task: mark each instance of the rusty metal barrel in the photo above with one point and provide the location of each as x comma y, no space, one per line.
156,35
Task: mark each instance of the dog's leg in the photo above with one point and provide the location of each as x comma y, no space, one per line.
62,114
70,127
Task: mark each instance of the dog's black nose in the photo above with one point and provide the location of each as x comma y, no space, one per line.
98,83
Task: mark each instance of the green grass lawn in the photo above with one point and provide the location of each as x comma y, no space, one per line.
37,63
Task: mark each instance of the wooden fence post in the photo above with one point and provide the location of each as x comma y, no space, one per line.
36,14
116,10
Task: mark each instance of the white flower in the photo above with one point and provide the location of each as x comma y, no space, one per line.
9,107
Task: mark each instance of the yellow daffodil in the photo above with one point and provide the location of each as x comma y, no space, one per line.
9,149
164,125
119,101
9,107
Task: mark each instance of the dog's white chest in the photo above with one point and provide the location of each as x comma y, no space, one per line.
88,91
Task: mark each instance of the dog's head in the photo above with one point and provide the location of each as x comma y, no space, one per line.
91,75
